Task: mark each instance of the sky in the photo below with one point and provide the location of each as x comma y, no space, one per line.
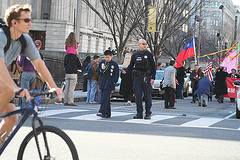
236,2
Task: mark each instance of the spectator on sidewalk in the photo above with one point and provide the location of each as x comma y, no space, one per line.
15,71
92,83
27,77
71,65
84,65
126,87
181,74
195,76
109,76
220,84
203,91
233,75
169,85
38,83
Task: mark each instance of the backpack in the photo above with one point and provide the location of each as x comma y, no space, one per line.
88,73
7,33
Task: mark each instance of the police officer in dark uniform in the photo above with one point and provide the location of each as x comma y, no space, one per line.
143,68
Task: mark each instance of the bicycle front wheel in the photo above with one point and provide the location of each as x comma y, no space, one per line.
54,144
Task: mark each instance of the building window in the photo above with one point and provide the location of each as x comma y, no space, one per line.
89,44
97,45
46,8
80,43
39,35
104,45
185,28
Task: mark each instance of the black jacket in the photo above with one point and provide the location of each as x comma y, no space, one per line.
71,64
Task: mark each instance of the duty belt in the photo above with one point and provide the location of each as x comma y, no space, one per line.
141,73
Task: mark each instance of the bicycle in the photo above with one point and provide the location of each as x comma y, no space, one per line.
43,142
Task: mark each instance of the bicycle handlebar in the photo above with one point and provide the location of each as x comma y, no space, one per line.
50,94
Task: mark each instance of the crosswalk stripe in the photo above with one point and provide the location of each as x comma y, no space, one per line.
153,119
94,117
54,112
202,122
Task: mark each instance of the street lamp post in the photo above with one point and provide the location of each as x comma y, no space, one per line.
221,36
146,19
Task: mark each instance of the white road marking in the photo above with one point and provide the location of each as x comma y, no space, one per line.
94,117
230,115
153,119
55,112
202,122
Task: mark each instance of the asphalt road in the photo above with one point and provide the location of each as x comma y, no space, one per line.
189,132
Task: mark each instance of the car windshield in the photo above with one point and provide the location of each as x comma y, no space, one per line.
159,75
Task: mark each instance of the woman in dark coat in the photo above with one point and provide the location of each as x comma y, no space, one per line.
220,85
84,65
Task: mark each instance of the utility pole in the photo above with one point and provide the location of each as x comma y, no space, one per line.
146,19
78,20
221,36
195,30
200,30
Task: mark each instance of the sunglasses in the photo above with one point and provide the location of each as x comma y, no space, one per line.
26,20
144,43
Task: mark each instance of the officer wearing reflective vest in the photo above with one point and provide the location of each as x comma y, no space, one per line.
143,68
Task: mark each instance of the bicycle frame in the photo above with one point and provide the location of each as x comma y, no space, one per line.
27,112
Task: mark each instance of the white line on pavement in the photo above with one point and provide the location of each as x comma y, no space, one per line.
94,117
203,122
54,112
153,119
230,115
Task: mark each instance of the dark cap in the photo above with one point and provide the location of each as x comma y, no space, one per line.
38,43
172,62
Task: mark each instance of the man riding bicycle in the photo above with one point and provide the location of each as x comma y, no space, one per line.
18,19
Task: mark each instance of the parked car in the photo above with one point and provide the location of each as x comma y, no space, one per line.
238,100
116,92
189,84
157,86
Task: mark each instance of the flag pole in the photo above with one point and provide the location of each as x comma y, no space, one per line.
195,51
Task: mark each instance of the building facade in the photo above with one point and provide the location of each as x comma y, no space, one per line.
53,20
219,21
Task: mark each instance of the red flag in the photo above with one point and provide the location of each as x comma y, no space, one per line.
188,51
208,71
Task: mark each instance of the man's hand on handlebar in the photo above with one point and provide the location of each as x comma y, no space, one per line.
23,93
59,92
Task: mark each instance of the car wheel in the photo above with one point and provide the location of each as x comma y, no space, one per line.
237,112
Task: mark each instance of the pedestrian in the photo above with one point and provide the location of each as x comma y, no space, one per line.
195,76
181,74
126,87
71,65
169,85
203,91
27,78
233,75
92,83
15,71
159,67
38,83
220,84
85,63
109,71
143,68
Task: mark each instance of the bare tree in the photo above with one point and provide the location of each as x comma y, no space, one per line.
172,15
121,17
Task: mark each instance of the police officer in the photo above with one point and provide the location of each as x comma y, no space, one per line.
143,68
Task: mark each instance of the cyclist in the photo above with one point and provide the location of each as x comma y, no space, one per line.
18,19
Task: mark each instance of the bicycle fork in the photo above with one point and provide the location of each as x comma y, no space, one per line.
46,157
